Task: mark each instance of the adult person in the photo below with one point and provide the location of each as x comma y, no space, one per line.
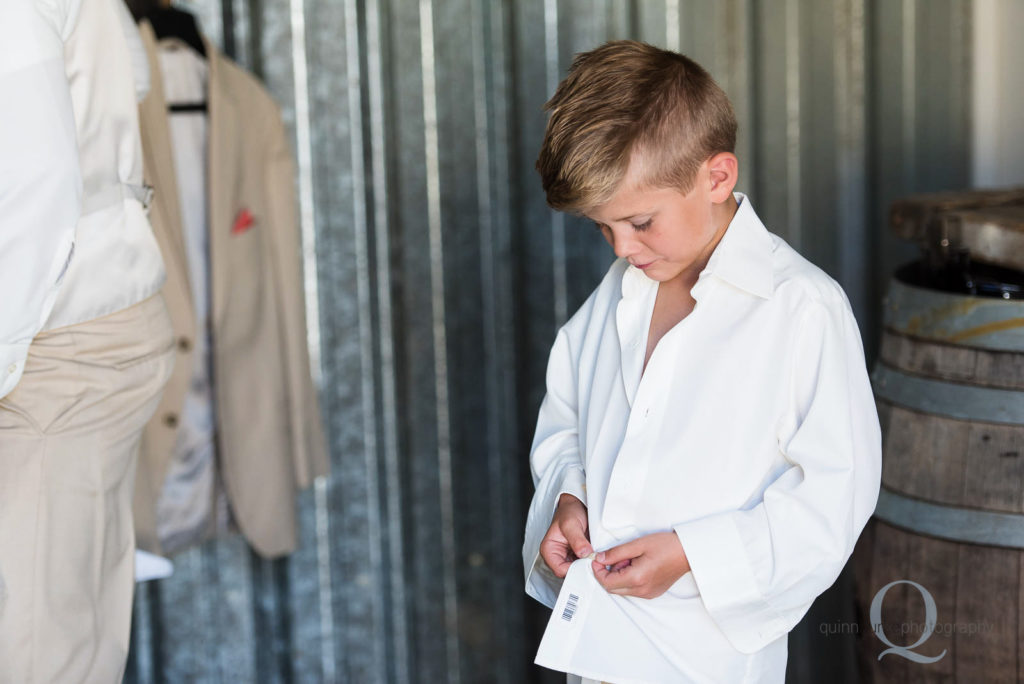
85,342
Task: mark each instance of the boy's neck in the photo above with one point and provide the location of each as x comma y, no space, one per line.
722,215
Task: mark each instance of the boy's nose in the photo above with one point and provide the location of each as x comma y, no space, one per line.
624,244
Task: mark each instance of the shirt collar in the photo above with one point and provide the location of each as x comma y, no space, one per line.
743,257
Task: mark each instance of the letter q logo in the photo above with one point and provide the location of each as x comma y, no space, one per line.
930,615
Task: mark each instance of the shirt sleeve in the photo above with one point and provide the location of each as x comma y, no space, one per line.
556,465
759,570
136,51
40,181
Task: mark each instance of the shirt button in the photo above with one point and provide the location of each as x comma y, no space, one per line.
184,344
12,369
171,420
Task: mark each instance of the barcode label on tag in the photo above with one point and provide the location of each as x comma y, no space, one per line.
570,607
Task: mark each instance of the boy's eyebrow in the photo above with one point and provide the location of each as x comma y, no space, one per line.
649,213
639,213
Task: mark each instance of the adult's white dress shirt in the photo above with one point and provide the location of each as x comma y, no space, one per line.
40,182
75,243
752,433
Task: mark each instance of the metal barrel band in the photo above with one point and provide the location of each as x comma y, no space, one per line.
950,399
949,522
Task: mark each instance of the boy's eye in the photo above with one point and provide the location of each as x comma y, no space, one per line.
643,226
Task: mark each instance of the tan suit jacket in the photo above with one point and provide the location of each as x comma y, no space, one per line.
269,435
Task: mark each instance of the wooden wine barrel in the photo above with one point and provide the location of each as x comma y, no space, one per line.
950,518
987,224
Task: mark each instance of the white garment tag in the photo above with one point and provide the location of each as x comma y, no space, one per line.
568,617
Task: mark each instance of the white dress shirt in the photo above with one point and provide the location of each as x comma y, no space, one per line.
752,434
40,181
75,243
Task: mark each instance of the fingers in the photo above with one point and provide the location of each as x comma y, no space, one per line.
556,556
614,568
618,554
577,540
571,519
622,581
645,568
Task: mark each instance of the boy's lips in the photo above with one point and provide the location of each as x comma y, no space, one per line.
643,266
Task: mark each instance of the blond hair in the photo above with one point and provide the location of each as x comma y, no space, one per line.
628,100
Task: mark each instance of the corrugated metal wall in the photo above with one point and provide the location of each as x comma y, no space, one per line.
437,277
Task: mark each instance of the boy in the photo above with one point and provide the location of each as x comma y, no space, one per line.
709,428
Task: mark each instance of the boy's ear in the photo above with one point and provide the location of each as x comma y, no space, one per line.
723,171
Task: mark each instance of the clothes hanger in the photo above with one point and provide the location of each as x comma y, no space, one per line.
170,22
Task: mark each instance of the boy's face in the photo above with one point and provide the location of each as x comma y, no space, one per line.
668,235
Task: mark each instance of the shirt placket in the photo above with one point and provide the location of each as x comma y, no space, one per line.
634,458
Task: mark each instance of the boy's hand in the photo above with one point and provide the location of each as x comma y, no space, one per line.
645,567
568,537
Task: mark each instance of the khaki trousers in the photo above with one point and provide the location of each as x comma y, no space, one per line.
69,439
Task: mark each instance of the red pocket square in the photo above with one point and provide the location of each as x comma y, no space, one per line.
243,222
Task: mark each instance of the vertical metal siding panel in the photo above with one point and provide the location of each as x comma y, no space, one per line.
583,25
699,32
369,664
961,89
439,336
462,183
228,596
771,175
851,145
531,241
398,639
310,648
735,75
534,270
620,20
654,23
816,122
892,149
269,647
941,93
275,50
310,602
486,587
505,449
346,325
239,32
553,55
141,665
794,149
185,602
420,440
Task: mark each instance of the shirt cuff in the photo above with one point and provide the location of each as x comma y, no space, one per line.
12,365
541,582
726,582
575,483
